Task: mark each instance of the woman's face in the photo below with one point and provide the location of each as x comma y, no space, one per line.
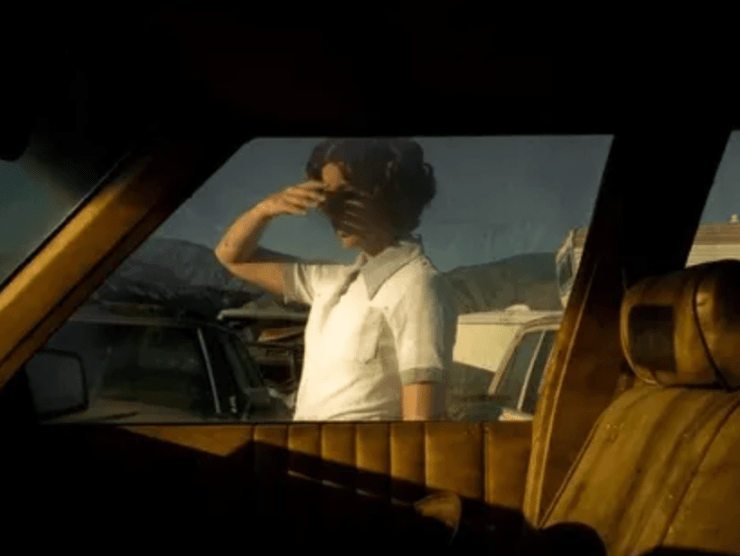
348,210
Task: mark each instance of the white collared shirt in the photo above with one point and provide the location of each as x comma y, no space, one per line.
373,327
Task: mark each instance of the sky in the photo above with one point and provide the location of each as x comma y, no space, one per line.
496,197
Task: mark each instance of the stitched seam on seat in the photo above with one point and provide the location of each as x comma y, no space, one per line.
680,498
694,308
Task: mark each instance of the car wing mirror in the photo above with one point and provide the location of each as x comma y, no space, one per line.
58,384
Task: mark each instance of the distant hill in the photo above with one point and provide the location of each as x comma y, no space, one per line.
178,274
187,276
528,279
180,262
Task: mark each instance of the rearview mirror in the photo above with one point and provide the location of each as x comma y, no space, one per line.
57,383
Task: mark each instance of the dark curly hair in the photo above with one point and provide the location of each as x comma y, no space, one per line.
393,169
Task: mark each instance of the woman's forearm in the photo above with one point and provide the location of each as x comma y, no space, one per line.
241,241
423,401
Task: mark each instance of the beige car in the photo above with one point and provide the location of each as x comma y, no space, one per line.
499,361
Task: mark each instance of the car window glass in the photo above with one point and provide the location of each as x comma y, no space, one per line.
159,366
502,206
535,379
512,380
167,370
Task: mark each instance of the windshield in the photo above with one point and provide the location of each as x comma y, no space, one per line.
35,202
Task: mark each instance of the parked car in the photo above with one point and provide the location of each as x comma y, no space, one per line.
274,336
499,361
128,363
515,345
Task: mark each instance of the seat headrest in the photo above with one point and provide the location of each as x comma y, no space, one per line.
683,328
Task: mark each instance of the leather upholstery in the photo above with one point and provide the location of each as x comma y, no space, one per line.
294,484
661,466
477,461
684,328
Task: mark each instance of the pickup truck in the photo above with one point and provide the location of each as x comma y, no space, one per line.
121,363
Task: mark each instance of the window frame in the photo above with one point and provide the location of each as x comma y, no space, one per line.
105,229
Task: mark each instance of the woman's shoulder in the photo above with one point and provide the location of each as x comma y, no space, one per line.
421,277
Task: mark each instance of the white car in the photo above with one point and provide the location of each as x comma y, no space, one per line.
499,361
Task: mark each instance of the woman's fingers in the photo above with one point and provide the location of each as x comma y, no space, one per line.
297,199
305,196
297,207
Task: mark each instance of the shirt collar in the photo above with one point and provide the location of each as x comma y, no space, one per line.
380,268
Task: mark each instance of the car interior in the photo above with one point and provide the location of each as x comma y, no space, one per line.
634,447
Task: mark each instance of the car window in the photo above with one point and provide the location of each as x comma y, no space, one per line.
510,385
500,210
167,369
469,381
154,365
535,378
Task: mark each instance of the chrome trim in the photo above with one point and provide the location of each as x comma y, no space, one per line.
209,367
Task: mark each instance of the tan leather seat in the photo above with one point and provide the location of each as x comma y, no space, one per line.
662,465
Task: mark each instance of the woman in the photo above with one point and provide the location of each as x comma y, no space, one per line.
380,332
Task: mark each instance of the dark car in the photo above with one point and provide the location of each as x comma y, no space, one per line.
128,363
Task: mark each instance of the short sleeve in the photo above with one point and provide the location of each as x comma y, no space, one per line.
424,325
302,281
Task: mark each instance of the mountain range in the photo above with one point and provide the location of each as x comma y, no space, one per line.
187,277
